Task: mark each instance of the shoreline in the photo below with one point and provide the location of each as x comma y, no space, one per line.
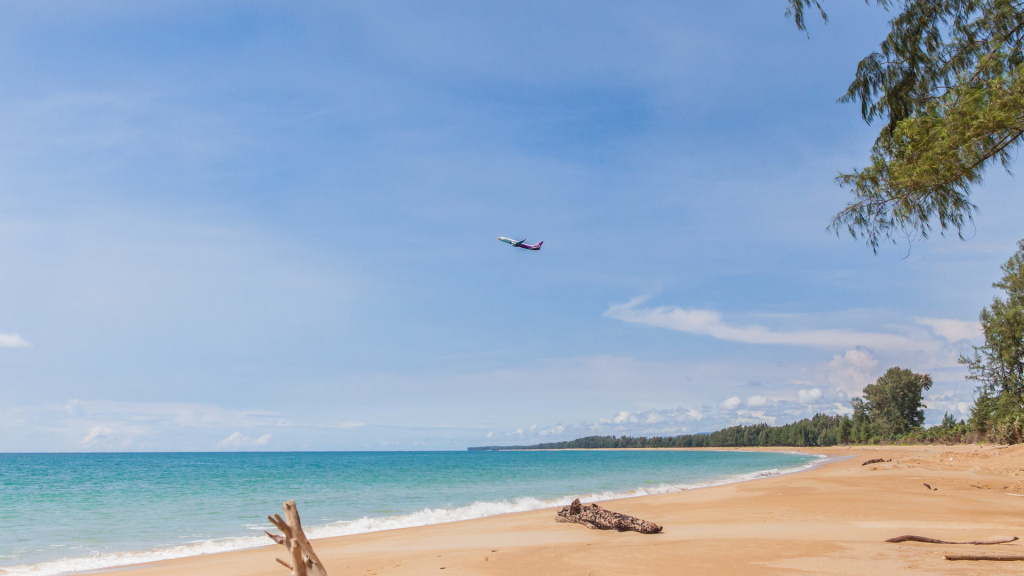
430,516
832,518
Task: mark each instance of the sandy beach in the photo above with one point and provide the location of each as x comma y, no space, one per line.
830,520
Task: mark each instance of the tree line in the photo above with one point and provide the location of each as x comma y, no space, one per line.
821,430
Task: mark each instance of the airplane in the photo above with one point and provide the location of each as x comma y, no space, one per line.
521,244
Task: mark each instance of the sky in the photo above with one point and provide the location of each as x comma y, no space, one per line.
273,226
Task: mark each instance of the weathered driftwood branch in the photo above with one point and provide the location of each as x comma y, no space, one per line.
304,561
977,557
912,538
596,518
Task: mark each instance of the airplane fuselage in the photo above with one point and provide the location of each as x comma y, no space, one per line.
521,243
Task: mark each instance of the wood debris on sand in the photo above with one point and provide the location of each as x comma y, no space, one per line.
912,538
596,518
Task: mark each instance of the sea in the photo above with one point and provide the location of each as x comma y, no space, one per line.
73,513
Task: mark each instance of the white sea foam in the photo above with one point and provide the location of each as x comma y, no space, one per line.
425,517
113,560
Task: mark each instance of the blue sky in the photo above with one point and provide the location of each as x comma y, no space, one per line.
256,225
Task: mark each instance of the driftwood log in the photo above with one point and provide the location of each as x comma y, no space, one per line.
911,538
596,518
978,557
304,561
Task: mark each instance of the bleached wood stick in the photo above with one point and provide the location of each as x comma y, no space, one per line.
304,561
316,568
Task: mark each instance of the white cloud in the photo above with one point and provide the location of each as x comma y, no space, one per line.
654,418
753,417
842,409
13,341
852,371
953,330
234,440
237,440
710,323
554,431
74,409
756,401
661,421
731,403
809,396
97,435
946,401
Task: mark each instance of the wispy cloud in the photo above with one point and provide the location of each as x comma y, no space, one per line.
174,413
711,323
344,424
953,330
13,341
111,425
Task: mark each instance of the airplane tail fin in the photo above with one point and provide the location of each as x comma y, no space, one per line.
539,244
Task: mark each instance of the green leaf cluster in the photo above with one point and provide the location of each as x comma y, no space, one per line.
949,82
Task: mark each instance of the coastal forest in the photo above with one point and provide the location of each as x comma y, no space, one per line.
892,409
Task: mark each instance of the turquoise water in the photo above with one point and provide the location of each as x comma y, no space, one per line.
64,513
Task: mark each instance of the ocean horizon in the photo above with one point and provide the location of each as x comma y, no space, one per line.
73,512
